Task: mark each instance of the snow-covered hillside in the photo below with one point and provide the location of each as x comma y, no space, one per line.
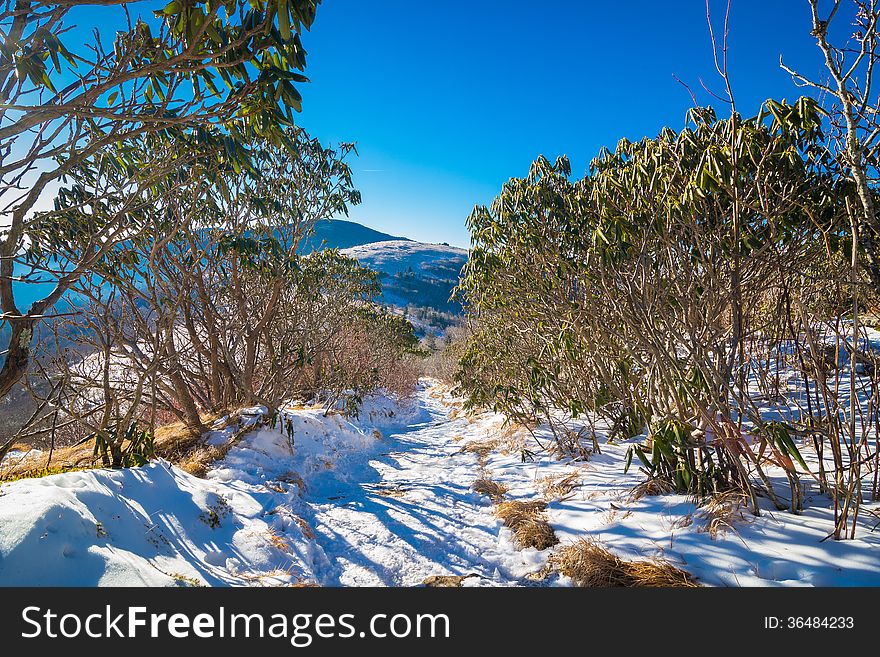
414,273
438,261
389,499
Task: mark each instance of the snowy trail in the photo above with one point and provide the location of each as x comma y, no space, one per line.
386,499
410,512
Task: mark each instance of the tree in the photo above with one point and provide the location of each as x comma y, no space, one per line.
610,297
850,92
228,66
207,303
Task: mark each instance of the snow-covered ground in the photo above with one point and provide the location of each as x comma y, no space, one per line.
386,499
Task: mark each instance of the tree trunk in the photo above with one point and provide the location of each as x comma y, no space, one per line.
18,354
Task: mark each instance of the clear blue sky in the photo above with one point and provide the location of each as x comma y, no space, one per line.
446,101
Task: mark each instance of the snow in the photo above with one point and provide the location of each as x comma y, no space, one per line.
386,499
142,526
416,275
774,549
397,256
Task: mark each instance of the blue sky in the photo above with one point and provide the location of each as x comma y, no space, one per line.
446,101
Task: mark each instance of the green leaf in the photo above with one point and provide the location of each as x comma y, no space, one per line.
172,8
283,20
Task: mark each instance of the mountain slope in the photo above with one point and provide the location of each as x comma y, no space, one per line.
414,273
340,234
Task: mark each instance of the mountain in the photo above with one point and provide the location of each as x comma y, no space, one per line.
340,234
418,277
415,276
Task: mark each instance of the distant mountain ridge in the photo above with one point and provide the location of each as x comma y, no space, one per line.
415,276
341,234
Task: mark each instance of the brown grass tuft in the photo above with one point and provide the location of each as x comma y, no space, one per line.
185,448
556,488
199,459
36,464
722,511
447,581
516,508
526,520
177,443
535,533
652,486
172,441
589,564
278,541
482,448
494,490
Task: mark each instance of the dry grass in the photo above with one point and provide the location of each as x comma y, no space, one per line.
526,521
306,528
559,487
650,487
172,441
278,541
589,564
291,477
512,438
482,448
35,465
198,460
535,533
494,490
447,581
516,508
722,511
569,445
176,442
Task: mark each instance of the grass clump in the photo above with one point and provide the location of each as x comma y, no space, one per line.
482,448
589,564
650,487
526,521
492,489
722,511
557,488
